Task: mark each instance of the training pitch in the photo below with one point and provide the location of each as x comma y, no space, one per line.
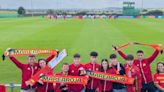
76,36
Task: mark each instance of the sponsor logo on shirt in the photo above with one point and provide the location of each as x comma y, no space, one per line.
144,64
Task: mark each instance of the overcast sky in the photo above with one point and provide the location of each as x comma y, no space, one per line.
83,4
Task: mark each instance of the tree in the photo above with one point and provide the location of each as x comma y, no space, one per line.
50,12
155,13
21,11
81,13
144,10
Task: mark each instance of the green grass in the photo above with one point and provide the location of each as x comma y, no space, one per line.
82,36
7,12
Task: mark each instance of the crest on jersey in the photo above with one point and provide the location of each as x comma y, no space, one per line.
144,64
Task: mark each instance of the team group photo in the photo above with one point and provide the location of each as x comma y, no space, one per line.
81,46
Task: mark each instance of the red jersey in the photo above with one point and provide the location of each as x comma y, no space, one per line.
106,86
133,72
74,70
27,70
58,85
2,88
92,82
159,79
144,66
46,87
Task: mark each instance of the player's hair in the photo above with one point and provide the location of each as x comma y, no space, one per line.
101,68
93,53
65,64
130,57
31,56
41,60
77,55
140,51
113,56
158,64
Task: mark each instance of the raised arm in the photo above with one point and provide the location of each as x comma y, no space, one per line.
16,62
122,54
153,56
51,56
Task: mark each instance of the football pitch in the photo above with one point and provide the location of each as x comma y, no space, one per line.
76,36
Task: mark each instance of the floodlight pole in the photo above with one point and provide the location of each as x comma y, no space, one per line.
142,6
32,8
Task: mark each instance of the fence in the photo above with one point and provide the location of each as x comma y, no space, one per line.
12,86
